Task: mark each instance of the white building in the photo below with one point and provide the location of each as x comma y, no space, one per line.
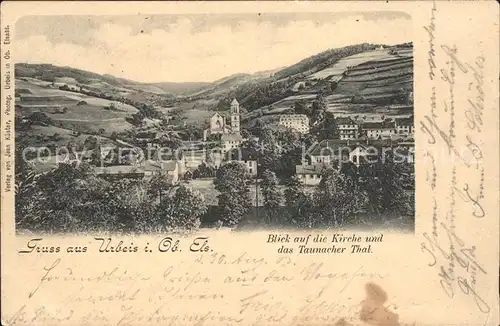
379,130
309,175
298,122
358,155
230,141
404,126
348,129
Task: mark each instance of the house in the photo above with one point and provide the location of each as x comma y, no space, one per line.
310,175
357,151
298,122
329,150
358,155
377,130
348,128
230,141
123,156
244,156
117,172
404,126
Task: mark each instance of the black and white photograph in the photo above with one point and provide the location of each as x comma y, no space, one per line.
142,124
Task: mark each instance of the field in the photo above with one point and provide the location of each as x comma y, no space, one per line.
336,70
82,112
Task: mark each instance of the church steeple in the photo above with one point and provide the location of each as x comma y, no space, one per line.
235,116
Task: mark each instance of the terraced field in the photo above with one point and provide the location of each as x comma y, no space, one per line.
335,71
378,79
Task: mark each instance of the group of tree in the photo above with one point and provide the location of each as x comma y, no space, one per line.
377,190
203,170
73,199
234,195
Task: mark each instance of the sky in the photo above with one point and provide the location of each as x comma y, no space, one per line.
197,48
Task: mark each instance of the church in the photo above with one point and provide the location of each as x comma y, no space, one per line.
230,134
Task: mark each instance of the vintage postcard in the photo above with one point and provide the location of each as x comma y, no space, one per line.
249,163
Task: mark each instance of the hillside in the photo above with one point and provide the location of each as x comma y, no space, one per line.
309,77
47,74
180,88
363,78
371,78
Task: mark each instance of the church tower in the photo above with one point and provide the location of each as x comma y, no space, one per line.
235,116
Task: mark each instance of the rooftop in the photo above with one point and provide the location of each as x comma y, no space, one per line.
310,169
159,166
293,117
118,169
404,121
378,125
232,136
344,121
329,147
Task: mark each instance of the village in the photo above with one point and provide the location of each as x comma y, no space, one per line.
223,142
327,147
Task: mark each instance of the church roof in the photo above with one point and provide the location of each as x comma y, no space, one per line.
234,102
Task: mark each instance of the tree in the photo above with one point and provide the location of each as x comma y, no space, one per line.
56,136
234,195
182,210
138,118
297,203
301,107
95,156
335,199
204,170
90,143
245,134
290,153
59,195
319,107
113,135
170,142
188,176
386,183
40,118
272,195
158,186
327,128
27,197
128,205
269,151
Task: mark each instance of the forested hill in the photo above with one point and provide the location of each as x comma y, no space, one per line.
317,73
